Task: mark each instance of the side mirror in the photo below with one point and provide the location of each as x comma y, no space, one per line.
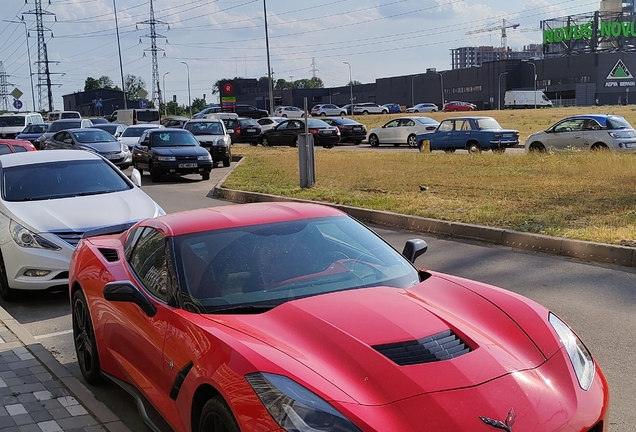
128,293
135,177
414,248
230,131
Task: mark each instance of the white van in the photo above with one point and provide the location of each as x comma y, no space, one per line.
135,116
11,124
59,115
526,99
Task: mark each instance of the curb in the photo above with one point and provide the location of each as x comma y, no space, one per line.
79,391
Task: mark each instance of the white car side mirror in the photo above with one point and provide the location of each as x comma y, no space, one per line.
136,177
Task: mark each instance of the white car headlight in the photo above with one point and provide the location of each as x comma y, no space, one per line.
166,158
25,238
579,355
295,408
205,157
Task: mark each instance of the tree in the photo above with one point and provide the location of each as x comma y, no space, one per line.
198,104
134,85
91,84
106,83
354,82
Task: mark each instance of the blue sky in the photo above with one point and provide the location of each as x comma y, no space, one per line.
226,38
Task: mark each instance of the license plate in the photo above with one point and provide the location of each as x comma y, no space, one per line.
630,145
251,130
507,135
327,132
112,156
357,128
188,165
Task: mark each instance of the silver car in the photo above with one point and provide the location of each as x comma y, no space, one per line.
587,132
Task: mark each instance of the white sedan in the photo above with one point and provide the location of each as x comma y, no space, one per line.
268,123
401,130
131,135
289,112
50,199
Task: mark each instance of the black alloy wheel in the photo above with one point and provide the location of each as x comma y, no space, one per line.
217,417
84,338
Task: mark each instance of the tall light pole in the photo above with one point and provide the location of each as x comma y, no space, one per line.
189,97
441,78
534,70
165,106
350,87
121,65
269,67
26,34
499,91
413,94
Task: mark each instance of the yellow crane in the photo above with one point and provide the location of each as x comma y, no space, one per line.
504,38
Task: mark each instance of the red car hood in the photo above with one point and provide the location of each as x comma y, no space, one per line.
335,335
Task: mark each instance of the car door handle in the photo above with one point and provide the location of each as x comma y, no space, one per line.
576,136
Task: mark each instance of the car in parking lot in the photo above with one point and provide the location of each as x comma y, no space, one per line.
33,132
164,151
366,108
586,132
394,108
131,135
174,122
289,112
325,110
210,109
296,317
423,107
401,130
459,106
267,123
286,133
115,129
243,110
15,146
49,200
59,125
213,136
93,140
243,130
350,130
474,134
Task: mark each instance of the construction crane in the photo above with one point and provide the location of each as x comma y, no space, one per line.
504,38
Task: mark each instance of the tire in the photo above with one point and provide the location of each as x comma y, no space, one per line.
216,416
455,109
264,142
284,116
536,147
499,150
365,112
8,294
599,147
205,176
411,141
84,337
473,147
155,175
373,140
449,150
323,114
357,142
385,112
295,144
226,161
342,114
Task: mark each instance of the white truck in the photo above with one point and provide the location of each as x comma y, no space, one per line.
526,99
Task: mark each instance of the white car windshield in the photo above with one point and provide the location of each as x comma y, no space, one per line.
205,128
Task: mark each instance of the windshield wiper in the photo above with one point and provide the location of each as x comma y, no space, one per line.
245,309
91,193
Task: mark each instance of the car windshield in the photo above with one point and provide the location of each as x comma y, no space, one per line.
173,139
487,123
110,128
426,121
205,128
263,266
11,121
248,122
135,132
61,125
617,122
61,179
148,116
35,128
88,135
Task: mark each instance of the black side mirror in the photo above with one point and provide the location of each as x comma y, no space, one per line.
414,248
127,292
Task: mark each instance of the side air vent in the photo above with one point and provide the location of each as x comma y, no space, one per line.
441,346
111,255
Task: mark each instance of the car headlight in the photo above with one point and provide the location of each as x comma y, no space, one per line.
25,238
295,408
166,158
124,148
205,157
579,355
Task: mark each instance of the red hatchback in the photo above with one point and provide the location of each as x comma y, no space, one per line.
15,146
459,106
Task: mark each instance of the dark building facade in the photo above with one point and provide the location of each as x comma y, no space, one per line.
96,103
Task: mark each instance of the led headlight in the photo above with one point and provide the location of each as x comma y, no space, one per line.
579,355
25,238
166,158
295,408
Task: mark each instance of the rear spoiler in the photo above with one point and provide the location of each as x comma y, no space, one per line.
108,230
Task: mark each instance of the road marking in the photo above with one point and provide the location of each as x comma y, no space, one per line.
60,333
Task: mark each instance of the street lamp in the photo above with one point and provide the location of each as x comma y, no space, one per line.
534,69
26,33
189,97
165,107
350,87
499,91
441,78
121,65
269,67
412,94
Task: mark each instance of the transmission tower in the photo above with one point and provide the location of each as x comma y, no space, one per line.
45,94
4,89
313,69
152,22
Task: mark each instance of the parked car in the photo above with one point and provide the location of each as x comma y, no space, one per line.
213,137
587,132
423,107
289,111
33,132
115,129
59,115
49,200
11,124
324,110
93,140
250,111
136,116
393,108
171,151
366,108
401,130
131,135
59,125
286,133
267,123
98,120
174,122
459,106
350,130
296,317
208,110
470,133
243,130
15,146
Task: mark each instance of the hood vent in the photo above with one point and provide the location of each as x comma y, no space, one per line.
111,255
70,237
441,346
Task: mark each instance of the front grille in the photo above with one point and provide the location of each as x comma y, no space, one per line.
187,158
441,346
70,237
111,255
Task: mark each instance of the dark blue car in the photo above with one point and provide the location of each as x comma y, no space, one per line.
470,133
393,108
32,132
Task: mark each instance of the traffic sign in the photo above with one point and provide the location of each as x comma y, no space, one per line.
98,103
17,104
16,93
143,103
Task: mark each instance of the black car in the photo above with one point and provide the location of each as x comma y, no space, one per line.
171,151
243,130
286,133
250,111
350,130
94,140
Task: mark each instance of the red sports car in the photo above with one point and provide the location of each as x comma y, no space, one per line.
296,317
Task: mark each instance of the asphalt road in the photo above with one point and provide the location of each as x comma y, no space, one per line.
598,301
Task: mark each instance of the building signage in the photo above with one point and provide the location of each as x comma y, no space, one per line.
614,29
621,74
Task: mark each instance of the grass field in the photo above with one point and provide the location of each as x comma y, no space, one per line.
579,195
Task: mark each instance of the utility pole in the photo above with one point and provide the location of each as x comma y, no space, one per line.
4,89
152,22
313,69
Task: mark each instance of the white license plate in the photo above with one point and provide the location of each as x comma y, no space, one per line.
251,130
327,132
357,128
112,156
188,165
